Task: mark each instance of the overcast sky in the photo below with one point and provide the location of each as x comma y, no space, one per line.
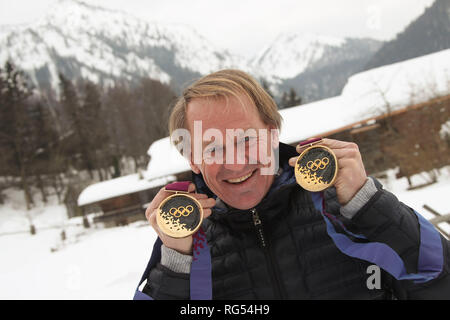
245,26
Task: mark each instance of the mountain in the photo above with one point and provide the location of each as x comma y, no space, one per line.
81,40
85,41
316,66
429,33
291,54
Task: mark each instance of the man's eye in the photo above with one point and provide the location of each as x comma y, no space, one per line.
212,149
251,140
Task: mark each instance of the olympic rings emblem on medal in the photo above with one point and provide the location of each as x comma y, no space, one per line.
318,164
181,211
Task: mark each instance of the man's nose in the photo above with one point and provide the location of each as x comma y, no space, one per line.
236,167
236,160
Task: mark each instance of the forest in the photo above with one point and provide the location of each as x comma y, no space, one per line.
80,134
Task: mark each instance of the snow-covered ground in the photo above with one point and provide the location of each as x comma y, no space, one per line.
93,263
435,195
101,263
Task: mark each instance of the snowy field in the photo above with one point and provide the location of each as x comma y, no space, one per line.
101,263
93,263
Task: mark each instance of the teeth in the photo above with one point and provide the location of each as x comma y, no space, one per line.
243,178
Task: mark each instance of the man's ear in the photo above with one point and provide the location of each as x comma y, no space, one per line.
194,167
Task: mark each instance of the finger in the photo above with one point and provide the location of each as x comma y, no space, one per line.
199,195
206,213
152,219
191,187
347,153
293,161
159,197
207,203
330,143
153,223
149,210
348,163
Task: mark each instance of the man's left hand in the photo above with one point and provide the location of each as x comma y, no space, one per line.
351,173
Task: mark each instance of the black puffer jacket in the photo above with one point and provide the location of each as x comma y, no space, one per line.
290,255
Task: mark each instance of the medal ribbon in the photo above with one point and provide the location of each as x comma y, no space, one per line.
200,277
430,262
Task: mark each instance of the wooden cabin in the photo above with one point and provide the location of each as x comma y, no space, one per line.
122,200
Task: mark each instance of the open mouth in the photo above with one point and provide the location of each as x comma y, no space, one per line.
240,179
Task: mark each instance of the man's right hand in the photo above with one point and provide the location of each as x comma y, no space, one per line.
183,245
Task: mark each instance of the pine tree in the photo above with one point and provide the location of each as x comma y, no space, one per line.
46,145
146,117
116,99
70,103
294,100
284,100
95,127
16,138
266,87
290,99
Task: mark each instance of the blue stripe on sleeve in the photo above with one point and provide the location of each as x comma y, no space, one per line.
431,258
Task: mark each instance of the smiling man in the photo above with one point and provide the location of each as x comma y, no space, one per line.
235,181
267,237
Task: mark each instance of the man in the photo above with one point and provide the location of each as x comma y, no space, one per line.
267,237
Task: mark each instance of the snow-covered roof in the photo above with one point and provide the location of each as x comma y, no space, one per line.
367,94
311,119
400,84
119,186
164,160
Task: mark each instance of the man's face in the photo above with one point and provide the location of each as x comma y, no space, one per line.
235,180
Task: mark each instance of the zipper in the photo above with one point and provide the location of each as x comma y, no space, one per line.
276,282
259,230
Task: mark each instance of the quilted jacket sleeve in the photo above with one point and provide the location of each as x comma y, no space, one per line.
422,251
161,283
164,284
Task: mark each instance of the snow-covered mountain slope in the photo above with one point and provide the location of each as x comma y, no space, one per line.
81,40
317,65
291,54
429,33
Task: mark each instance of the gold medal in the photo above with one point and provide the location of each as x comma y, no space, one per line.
316,168
179,215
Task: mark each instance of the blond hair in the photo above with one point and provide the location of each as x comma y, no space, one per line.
225,83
